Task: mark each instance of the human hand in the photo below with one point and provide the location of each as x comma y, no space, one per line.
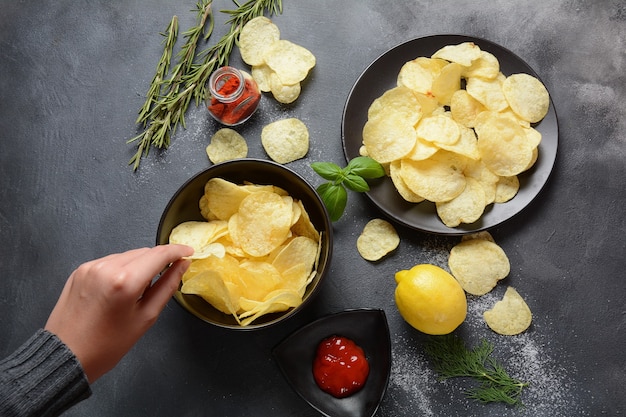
107,304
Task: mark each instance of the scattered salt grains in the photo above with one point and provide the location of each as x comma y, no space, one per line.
414,388
412,377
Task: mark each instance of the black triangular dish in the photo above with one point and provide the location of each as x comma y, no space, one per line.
367,328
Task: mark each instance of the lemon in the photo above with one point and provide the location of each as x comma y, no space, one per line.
430,299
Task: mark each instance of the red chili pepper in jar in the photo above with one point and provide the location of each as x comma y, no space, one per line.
235,96
340,367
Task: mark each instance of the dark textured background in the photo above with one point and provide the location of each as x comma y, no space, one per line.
72,78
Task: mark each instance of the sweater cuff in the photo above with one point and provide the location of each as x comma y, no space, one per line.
41,378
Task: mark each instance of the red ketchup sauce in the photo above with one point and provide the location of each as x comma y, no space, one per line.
340,367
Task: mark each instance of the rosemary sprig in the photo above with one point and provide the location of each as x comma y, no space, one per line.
161,72
188,78
169,110
451,359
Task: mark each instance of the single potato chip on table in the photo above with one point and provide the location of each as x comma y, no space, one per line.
377,239
478,265
509,316
226,144
285,140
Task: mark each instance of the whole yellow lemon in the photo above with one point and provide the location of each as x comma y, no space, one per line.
430,299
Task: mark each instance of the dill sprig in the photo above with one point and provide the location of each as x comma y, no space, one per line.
161,116
451,358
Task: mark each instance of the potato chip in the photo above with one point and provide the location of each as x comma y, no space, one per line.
285,140
467,145
533,159
506,188
533,136
263,222
465,108
289,61
261,74
478,265
509,316
503,145
419,74
227,266
439,178
210,286
226,144
401,99
223,197
401,187
259,279
527,96
389,136
278,300
422,150
486,66
255,38
377,239
467,207
284,93
446,83
487,92
477,170
464,53
303,226
200,236
298,250
428,103
438,129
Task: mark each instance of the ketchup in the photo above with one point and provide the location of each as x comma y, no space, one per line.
340,367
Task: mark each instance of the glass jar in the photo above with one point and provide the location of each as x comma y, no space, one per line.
234,97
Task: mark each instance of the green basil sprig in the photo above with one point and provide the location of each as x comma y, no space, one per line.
353,177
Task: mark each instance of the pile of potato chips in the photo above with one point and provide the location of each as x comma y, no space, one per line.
456,131
278,65
478,263
256,253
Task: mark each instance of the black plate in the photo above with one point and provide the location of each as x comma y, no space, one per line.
380,76
368,329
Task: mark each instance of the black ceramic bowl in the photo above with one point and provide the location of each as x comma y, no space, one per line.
184,207
368,328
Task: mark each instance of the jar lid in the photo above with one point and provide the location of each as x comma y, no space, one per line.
222,87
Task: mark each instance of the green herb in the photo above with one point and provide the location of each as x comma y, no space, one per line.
168,100
352,177
451,358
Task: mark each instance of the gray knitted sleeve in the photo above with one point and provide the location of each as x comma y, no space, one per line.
41,378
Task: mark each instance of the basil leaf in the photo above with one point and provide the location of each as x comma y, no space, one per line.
355,183
327,170
365,167
335,198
